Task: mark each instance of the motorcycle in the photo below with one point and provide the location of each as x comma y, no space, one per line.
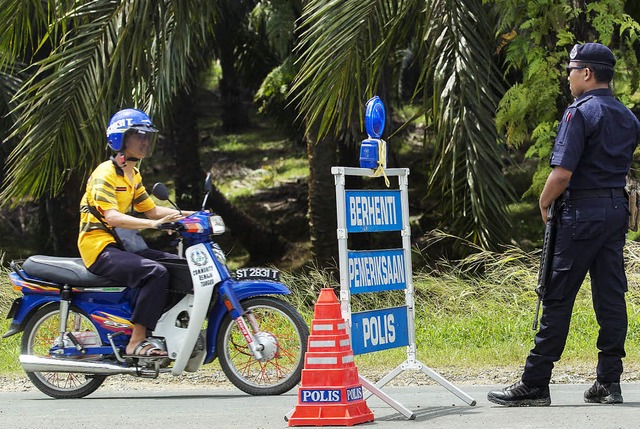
75,325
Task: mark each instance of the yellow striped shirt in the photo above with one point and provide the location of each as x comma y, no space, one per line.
108,188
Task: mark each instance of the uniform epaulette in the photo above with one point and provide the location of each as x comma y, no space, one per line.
581,102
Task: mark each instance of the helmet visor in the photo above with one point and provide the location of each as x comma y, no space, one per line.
141,139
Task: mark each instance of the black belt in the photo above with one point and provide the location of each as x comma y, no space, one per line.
577,194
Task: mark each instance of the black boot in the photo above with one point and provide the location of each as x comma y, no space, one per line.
607,393
521,395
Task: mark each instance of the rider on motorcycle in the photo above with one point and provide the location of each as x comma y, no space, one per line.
113,192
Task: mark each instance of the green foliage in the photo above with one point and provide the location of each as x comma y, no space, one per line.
276,85
538,36
272,98
349,51
87,60
541,148
275,19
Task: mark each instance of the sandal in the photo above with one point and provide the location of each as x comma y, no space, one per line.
152,351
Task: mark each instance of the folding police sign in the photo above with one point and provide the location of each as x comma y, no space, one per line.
378,270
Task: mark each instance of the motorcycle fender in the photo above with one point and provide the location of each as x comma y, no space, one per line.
26,306
15,327
241,290
204,275
14,308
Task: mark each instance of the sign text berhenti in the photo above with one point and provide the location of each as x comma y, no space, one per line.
373,210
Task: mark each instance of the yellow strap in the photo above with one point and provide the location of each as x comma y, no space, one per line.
382,161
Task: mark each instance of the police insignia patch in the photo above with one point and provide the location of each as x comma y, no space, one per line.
573,52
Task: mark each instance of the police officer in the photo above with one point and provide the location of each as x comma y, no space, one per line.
591,157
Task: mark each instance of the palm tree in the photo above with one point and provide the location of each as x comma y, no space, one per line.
104,55
346,50
10,82
101,55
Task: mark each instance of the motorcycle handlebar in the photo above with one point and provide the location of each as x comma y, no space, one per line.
174,226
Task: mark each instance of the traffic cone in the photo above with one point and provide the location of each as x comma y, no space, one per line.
330,393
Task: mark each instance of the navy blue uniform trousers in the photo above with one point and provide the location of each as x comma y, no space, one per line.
590,238
141,271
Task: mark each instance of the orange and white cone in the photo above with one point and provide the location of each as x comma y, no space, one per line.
330,393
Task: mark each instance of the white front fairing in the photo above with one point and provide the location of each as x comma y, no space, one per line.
181,341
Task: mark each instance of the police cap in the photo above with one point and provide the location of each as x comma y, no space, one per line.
593,53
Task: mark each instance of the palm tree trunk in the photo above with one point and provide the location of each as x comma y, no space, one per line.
59,220
263,244
188,173
235,115
322,156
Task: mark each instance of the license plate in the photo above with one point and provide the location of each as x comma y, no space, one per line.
258,274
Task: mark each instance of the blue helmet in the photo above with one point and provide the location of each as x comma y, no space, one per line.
124,121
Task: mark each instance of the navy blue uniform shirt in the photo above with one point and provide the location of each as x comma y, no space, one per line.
596,139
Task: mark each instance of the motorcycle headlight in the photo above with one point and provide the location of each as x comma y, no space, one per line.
217,225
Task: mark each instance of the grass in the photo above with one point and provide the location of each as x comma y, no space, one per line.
9,347
472,315
257,159
477,313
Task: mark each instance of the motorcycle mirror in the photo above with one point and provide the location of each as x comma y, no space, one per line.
208,184
160,191
208,187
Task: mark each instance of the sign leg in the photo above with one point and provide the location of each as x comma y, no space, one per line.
386,398
446,384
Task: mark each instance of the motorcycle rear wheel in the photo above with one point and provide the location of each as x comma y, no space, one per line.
39,336
284,328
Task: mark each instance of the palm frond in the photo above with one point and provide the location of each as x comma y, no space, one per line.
24,23
105,55
466,87
336,41
347,47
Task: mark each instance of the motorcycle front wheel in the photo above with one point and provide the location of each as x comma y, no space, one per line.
39,336
284,334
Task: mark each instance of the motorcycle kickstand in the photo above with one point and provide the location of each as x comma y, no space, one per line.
113,346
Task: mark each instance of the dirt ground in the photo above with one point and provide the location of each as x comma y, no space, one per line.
564,374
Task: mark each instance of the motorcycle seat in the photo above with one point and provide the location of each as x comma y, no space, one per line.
69,271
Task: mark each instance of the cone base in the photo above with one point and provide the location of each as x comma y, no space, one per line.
331,415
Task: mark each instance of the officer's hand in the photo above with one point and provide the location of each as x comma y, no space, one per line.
544,213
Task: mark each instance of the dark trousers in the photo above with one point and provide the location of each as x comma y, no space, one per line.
141,271
590,238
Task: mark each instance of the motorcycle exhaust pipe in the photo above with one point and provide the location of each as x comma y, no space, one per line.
32,363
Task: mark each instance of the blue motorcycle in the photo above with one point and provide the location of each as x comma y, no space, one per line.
75,325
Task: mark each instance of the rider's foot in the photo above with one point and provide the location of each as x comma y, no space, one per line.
144,349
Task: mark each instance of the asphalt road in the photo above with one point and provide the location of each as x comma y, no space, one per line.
434,407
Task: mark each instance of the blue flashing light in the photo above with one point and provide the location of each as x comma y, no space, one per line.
374,118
